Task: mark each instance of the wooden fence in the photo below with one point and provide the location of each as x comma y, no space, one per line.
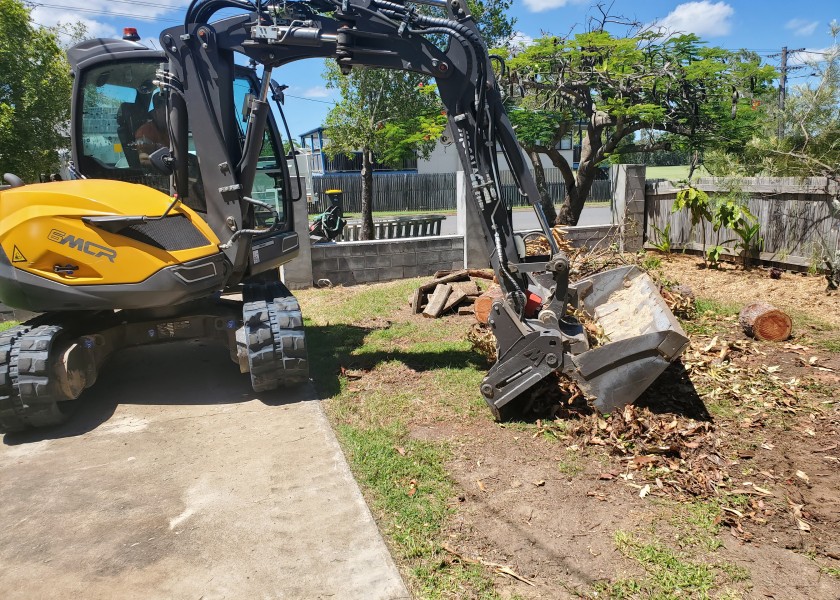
428,192
391,191
799,223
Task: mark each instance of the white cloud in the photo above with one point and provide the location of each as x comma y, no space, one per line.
318,91
802,27
124,13
520,40
704,18
811,56
51,18
543,5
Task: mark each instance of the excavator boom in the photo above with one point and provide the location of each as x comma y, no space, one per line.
220,129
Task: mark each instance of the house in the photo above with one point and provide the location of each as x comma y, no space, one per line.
443,159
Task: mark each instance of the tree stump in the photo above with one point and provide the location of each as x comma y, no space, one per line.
484,303
765,322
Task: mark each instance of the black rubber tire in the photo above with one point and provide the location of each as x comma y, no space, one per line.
275,338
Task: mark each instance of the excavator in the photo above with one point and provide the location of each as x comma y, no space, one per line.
145,246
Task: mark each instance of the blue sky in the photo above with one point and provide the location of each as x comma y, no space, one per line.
761,25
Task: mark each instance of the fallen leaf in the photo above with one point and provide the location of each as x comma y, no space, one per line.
606,476
813,360
481,485
773,369
761,490
795,347
412,487
767,446
539,483
400,450
803,526
827,449
644,491
803,476
711,345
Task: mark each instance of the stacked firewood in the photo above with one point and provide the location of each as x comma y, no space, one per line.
450,292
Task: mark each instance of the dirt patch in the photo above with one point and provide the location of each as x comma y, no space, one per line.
748,431
794,292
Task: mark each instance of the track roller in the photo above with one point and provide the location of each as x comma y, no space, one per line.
39,379
274,340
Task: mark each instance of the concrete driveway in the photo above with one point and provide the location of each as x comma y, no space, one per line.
174,480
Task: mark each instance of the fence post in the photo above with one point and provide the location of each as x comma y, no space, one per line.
469,226
628,205
298,273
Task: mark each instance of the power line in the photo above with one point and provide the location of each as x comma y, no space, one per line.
330,102
107,14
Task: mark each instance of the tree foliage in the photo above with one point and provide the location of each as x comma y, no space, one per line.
34,94
810,122
493,21
638,86
387,115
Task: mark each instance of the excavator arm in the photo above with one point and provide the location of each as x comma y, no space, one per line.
113,264
529,324
534,334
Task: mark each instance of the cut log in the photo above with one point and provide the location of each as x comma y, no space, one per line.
418,301
484,303
764,321
470,288
465,310
455,298
438,301
477,273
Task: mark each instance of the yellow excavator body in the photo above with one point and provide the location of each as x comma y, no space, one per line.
42,232
103,245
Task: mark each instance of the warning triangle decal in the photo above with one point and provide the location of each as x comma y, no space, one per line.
17,256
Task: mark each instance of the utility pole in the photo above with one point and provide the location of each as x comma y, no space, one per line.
783,85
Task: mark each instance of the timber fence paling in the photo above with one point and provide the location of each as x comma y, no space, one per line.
391,191
795,217
429,191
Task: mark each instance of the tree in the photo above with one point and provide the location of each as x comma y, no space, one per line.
34,94
493,21
387,116
810,146
628,87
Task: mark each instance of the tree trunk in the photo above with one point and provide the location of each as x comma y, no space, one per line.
764,321
367,194
546,200
586,173
484,303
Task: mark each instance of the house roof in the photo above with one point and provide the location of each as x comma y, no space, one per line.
311,131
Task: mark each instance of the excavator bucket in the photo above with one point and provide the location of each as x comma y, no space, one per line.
640,334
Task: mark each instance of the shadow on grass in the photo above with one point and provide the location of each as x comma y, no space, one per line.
674,392
332,347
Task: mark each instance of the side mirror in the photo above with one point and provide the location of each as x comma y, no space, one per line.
162,161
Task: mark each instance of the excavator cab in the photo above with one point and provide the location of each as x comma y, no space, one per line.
114,129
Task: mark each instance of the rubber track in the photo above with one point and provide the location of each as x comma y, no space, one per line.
276,340
26,392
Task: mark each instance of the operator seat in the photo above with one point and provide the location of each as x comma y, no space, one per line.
130,117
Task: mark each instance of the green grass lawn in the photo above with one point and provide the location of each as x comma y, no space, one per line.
675,173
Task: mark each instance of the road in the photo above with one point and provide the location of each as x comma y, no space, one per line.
526,220
175,480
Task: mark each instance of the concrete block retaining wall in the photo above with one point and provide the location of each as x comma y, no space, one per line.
594,237
351,263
